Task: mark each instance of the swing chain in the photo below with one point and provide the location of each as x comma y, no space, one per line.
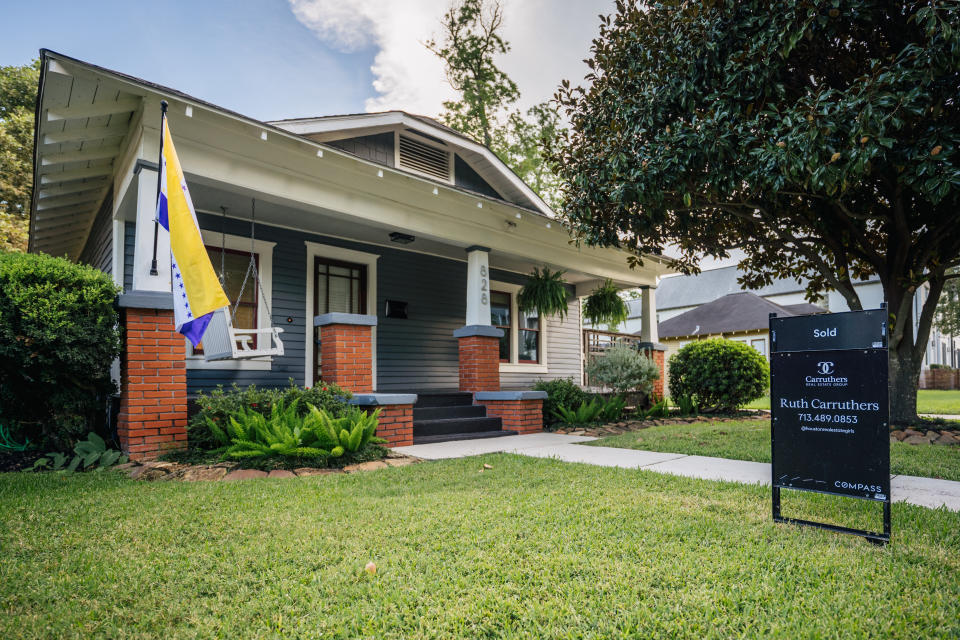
252,267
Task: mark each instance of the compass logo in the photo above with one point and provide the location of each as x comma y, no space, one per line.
824,368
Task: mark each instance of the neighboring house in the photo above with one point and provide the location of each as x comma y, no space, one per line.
742,317
390,247
676,295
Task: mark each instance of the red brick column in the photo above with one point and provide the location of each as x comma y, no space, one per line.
346,350
395,424
479,347
656,352
153,385
520,411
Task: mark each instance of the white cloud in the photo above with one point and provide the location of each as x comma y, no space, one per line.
549,39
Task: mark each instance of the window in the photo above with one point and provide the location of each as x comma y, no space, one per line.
252,311
500,317
528,337
234,265
522,342
340,287
760,344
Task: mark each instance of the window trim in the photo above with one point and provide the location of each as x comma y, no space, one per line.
332,252
515,365
264,250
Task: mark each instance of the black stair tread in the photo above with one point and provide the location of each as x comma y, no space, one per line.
449,399
455,425
474,435
458,411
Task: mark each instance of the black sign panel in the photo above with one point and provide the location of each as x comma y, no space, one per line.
850,330
830,422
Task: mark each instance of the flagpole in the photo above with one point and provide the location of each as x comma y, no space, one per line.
156,219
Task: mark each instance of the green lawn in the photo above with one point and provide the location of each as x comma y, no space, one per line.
750,440
928,401
530,549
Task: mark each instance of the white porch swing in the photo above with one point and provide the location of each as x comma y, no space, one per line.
223,341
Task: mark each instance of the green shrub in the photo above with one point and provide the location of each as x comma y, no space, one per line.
613,409
59,335
718,374
92,452
560,392
218,405
284,433
587,412
624,369
659,408
941,366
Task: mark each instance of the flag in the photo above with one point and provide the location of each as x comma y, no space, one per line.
197,292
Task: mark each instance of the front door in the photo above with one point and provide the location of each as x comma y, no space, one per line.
339,287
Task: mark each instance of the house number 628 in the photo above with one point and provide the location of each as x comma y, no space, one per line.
483,285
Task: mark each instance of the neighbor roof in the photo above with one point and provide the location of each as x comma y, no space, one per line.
688,291
743,311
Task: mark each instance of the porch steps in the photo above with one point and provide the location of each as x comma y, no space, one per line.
441,417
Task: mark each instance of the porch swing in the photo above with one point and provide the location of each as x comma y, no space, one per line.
223,341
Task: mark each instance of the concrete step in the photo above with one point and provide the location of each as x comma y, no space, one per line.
455,425
472,435
457,411
443,399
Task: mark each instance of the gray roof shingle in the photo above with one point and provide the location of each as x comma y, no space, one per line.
742,311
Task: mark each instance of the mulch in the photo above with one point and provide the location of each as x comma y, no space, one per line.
18,460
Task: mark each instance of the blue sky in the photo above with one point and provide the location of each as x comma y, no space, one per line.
272,59
252,57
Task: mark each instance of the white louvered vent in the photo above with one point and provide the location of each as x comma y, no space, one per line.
424,158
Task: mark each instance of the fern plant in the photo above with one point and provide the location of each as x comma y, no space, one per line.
613,409
544,292
587,413
250,434
605,306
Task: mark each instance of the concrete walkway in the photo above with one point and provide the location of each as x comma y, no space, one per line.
926,492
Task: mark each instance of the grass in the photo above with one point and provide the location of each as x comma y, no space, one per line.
750,440
530,549
928,401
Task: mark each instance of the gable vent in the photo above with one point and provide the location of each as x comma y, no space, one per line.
424,158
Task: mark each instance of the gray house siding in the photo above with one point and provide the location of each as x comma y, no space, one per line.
376,148
415,353
98,251
466,178
129,241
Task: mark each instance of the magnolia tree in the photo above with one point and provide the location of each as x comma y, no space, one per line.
822,139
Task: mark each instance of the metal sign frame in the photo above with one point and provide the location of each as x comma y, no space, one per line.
858,334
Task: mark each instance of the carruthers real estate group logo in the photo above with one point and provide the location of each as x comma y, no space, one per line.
824,376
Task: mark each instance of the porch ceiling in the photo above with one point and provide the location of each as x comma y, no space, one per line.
82,125
209,198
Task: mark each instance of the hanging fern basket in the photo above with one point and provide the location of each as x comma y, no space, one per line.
605,306
545,292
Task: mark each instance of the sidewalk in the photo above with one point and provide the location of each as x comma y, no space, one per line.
926,492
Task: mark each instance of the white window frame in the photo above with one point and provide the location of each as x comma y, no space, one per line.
330,252
762,339
264,251
514,366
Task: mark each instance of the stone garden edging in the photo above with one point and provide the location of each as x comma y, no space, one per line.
229,471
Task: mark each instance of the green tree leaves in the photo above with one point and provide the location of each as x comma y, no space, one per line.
18,92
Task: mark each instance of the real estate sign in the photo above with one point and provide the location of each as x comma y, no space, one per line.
830,408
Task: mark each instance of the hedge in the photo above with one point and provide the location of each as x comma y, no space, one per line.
59,335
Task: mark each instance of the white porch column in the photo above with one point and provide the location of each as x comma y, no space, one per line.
648,315
146,185
478,286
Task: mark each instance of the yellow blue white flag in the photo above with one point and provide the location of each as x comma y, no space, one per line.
197,292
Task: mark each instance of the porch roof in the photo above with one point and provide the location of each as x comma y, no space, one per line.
94,126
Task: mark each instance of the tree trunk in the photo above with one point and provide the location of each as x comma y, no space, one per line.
904,378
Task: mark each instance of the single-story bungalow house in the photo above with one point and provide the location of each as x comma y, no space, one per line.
390,250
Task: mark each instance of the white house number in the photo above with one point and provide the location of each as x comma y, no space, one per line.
483,285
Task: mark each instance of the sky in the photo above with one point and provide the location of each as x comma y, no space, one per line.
276,59
273,59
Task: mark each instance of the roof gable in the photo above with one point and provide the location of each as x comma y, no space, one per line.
481,160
